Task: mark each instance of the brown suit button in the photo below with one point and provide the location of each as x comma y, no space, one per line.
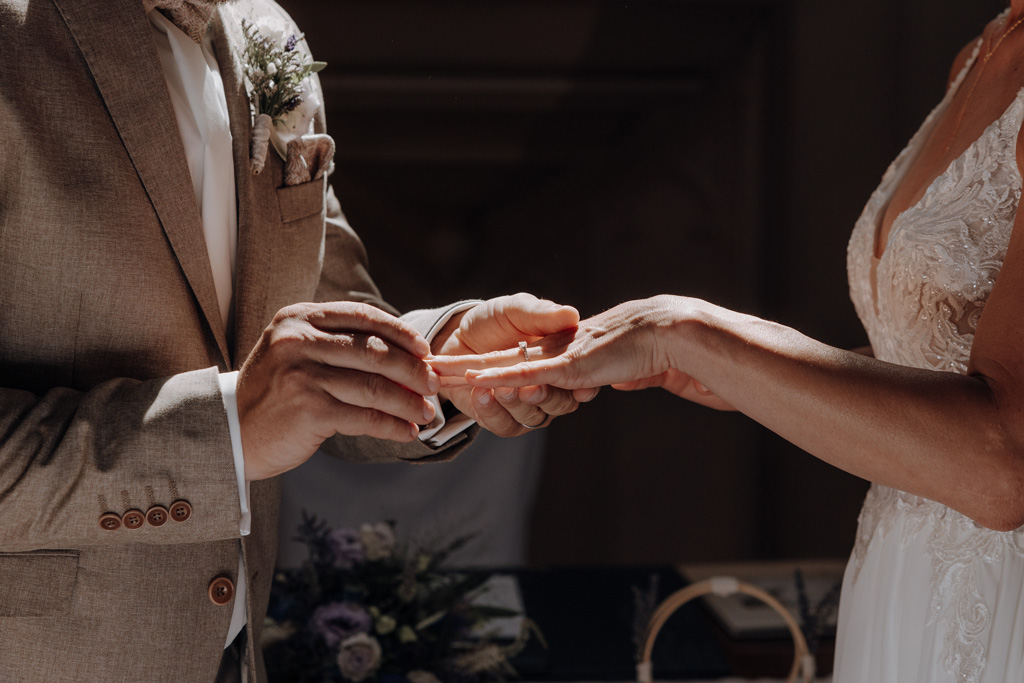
111,521
221,590
133,519
156,515
180,510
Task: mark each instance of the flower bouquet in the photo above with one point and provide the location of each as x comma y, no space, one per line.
363,609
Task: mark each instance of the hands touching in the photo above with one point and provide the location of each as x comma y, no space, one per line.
350,368
629,347
321,369
494,327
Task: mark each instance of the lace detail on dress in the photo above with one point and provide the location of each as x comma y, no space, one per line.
938,268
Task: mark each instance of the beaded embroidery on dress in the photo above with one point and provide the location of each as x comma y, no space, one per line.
939,265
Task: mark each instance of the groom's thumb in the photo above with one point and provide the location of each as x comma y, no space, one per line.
539,317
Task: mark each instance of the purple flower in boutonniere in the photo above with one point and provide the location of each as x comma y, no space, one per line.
281,95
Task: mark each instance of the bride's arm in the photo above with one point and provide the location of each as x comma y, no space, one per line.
957,439
952,438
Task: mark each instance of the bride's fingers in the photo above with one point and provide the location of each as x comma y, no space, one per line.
553,371
456,366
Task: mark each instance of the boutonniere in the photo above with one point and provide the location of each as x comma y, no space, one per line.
281,95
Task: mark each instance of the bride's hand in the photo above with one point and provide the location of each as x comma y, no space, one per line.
624,347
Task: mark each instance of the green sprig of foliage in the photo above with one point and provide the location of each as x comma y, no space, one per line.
275,72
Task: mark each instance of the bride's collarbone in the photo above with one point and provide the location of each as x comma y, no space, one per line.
950,137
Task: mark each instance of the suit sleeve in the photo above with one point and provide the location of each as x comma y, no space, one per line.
346,277
67,458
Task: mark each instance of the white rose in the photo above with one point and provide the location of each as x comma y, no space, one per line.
274,28
297,122
359,657
378,539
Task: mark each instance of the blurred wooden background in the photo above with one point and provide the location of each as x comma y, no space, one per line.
592,151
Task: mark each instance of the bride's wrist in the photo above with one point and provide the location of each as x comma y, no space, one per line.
671,319
679,323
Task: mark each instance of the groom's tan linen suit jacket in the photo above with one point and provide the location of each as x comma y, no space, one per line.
111,342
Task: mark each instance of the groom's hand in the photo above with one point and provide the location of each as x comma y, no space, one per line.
322,369
500,324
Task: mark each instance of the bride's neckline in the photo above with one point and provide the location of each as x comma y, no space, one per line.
927,189
914,148
920,142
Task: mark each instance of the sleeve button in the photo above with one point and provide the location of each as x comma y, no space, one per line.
110,521
156,515
180,510
133,519
221,590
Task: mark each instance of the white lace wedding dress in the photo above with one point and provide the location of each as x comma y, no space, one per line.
929,596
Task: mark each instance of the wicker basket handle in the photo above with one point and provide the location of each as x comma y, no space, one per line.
803,662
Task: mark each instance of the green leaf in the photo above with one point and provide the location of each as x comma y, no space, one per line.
316,67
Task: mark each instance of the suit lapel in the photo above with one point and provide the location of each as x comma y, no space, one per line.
115,39
257,199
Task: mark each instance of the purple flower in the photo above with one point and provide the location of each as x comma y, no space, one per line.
337,621
359,657
347,546
289,44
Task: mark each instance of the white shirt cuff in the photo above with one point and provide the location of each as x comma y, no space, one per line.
442,430
228,382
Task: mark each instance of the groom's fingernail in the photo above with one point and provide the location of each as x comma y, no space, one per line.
529,394
485,398
507,394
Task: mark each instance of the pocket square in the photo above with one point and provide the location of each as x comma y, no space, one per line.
310,157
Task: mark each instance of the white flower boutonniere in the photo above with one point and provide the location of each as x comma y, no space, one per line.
282,97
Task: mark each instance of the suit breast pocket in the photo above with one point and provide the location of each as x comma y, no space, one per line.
37,584
300,251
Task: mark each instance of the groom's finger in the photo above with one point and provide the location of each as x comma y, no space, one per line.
549,399
535,317
492,415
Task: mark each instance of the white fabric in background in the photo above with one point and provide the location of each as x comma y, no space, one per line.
490,489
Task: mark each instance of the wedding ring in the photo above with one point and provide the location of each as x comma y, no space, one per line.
544,423
526,359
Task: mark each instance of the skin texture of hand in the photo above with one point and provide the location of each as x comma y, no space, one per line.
618,347
325,369
501,324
